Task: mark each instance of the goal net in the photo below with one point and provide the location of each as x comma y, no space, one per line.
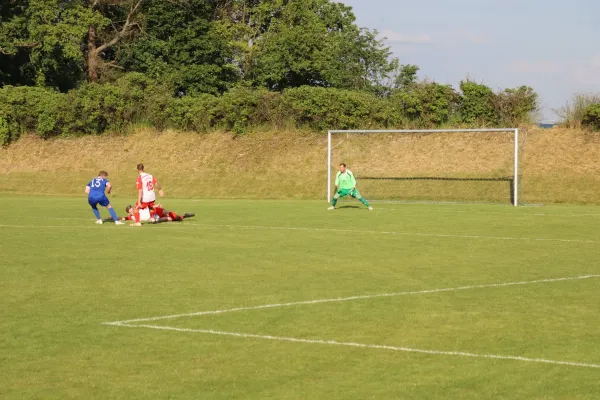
472,165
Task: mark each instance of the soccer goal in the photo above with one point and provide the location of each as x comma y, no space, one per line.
443,165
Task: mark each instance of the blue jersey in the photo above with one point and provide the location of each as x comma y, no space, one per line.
97,187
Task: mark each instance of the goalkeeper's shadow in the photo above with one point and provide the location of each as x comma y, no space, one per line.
348,206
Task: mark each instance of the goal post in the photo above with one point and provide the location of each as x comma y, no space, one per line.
505,152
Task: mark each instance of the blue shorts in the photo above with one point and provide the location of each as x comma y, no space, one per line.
94,201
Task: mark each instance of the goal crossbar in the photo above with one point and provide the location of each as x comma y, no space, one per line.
515,131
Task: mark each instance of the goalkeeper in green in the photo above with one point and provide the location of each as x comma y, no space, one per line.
345,184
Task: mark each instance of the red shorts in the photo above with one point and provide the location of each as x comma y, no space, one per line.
162,213
149,204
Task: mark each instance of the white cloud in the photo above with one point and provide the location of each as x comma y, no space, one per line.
596,62
396,37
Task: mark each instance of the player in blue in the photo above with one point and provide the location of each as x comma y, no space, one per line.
95,191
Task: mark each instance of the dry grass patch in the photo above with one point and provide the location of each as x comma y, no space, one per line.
558,165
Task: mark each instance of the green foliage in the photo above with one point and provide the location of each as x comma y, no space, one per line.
184,46
30,109
236,110
9,130
317,43
134,98
477,105
224,64
322,109
429,104
573,112
591,117
96,108
407,77
91,109
46,36
192,113
515,106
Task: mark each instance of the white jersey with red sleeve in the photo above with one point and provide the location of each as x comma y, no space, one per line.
146,182
145,214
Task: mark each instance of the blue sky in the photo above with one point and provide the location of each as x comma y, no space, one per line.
551,45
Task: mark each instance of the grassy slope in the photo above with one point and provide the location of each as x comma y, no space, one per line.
61,276
557,166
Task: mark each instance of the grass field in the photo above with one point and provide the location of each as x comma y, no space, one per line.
507,327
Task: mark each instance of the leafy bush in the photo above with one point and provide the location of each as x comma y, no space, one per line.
322,109
573,112
191,113
31,109
236,110
477,104
134,98
9,129
515,106
427,104
6,131
95,108
591,117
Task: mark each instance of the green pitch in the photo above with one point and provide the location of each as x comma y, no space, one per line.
62,278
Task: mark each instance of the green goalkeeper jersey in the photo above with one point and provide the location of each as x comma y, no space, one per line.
346,180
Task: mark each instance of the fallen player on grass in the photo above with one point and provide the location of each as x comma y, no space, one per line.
155,215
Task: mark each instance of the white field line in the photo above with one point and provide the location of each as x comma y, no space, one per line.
352,298
408,210
366,346
508,214
51,226
297,228
418,234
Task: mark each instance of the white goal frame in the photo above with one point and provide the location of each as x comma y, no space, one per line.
515,131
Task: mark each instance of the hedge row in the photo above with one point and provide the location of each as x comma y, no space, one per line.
99,108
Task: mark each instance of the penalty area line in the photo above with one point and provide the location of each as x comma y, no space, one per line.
352,298
366,346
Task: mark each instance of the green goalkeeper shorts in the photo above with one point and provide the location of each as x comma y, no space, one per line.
348,192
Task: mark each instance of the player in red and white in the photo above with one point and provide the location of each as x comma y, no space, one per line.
155,214
146,184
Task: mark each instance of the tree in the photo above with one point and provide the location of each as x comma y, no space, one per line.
407,76
245,22
67,34
123,18
180,43
515,106
15,47
290,43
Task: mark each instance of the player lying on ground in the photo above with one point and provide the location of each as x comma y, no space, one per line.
95,191
157,214
345,184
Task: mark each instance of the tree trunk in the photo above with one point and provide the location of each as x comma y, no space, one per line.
92,61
